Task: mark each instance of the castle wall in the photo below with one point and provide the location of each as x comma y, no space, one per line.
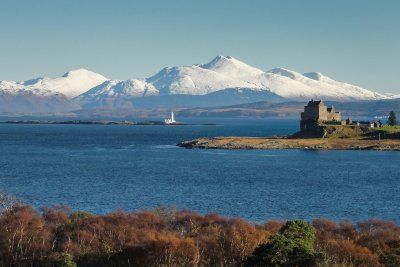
323,114
317,112
310,113
336,116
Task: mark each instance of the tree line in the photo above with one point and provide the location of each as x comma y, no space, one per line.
168,237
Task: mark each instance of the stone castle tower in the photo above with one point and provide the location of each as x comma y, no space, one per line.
316,112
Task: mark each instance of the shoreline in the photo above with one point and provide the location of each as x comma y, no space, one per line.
278,143
96,122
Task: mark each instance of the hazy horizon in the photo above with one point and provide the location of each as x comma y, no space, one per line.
350,41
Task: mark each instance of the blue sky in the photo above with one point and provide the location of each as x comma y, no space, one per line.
348,40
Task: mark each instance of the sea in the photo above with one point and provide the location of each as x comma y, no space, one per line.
102,168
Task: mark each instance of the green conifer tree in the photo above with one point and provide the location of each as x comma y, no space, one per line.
292,246
392,121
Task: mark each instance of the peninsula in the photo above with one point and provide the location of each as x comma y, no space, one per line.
321,128
97,122
101,122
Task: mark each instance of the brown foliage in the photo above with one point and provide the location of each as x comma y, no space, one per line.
167,237
368,243
348,253
23,236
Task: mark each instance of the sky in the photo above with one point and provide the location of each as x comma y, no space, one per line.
355,41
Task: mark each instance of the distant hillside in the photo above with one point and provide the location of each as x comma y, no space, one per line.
226,97
266,109
357,109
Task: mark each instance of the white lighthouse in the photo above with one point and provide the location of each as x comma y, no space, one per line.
170,120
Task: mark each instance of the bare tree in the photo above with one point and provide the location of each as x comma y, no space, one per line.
8,202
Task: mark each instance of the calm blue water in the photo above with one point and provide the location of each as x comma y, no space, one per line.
101,168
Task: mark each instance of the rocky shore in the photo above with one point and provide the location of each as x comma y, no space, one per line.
233,142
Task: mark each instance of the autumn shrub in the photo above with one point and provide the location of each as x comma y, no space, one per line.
166,236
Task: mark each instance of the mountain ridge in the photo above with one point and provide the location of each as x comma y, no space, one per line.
86,89
227,72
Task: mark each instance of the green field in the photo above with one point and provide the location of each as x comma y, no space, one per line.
350,131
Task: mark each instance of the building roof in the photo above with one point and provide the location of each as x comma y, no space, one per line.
313,103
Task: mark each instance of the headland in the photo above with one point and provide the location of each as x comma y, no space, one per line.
321,128
236,142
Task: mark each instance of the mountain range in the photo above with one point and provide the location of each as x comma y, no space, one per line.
223,81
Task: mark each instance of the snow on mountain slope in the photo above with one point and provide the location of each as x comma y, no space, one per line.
228,72
296,86
222,73
15,98
47,95
392,96
218,75
114,93
193,80
344,88
91,90
232,67
71,84
15,88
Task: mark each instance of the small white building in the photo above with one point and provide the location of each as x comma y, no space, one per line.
170,120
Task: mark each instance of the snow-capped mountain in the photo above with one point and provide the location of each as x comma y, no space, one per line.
222,73
392,96
114,93
71,84
186,86
47,94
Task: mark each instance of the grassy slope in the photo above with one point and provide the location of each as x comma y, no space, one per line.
355,132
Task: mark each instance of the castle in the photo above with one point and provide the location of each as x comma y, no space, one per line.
316,112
